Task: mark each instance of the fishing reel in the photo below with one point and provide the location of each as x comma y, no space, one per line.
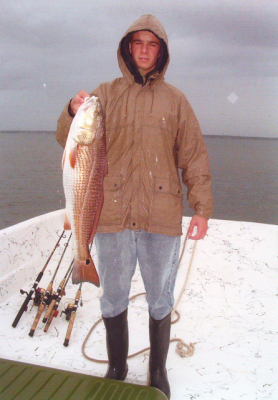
68,310
71,307
39,295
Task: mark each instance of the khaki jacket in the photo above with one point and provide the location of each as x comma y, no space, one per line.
151,131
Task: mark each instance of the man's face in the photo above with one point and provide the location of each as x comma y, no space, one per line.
144,49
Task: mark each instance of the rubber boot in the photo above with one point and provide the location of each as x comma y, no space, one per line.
117,346
159,341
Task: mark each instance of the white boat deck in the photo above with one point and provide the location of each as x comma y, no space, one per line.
229,309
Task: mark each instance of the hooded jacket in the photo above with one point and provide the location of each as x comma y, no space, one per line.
151,131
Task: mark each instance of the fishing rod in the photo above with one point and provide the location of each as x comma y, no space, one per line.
48,294
71,313
34,287
71,309
52,310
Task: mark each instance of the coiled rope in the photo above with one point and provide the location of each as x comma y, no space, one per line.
183,349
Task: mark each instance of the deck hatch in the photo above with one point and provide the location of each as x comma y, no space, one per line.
22,381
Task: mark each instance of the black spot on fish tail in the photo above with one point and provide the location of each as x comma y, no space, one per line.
88,261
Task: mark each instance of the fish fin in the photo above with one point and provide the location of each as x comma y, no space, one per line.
67,224
85,271
72,156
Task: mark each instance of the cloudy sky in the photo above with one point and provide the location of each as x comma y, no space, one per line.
224,57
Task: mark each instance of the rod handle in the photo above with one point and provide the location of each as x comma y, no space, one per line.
22,308
70,326
49,320
37,318
49,310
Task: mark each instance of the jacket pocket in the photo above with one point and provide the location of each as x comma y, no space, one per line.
167,204
111,213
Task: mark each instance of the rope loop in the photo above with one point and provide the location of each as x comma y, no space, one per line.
185,350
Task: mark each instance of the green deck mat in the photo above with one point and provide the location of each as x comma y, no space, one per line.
21,381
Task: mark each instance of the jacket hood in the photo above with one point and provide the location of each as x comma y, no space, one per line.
129,69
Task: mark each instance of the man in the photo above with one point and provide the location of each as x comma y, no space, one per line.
151,131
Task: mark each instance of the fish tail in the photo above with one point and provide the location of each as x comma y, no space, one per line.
85,271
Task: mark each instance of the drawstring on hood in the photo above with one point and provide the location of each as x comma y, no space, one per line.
128,91
151,110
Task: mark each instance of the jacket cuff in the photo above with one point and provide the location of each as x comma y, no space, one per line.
206,214
69,110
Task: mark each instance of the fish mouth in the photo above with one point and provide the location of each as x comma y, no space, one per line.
90,122
91,102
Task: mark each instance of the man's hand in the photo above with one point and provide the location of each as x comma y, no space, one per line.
202,227
77,101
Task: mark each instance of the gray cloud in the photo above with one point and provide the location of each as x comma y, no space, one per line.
50,50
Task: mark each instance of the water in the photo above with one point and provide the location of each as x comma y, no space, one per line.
244,170
30,176
245,184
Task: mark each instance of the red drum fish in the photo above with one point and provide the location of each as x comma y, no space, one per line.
84,168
